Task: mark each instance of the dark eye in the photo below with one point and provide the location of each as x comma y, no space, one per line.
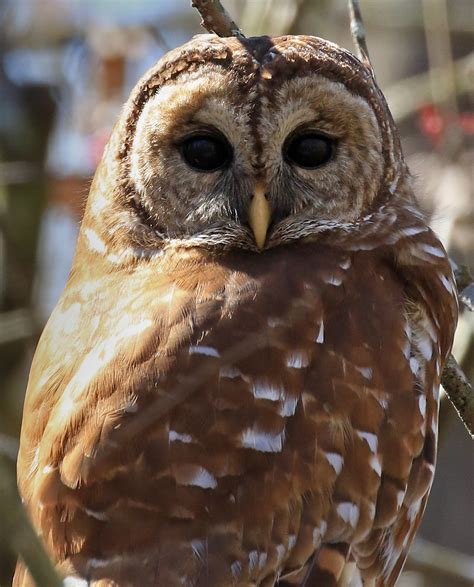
206,152
309,150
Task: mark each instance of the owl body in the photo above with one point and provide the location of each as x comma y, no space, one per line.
240,383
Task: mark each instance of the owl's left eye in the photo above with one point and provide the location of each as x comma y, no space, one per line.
308,150
206,152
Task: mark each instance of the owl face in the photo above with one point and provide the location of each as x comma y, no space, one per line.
249,153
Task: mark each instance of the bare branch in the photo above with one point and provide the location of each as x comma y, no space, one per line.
17,531
358,33
215,18
460,393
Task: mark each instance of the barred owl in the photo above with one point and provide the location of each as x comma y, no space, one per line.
240,383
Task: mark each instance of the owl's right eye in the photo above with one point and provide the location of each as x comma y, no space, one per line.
206,152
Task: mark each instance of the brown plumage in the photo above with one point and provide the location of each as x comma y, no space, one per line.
223,398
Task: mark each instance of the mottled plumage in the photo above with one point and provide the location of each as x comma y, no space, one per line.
203,411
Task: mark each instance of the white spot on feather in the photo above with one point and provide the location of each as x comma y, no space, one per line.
291,541
425,347
447,283
229,372
375,464
288,407
97,515
297,360
195,476
422,405
94,241
435,251
174,436
335,460
71,581
370,438
204,350
265,390
345,264
320,336
262,441
412,230
366,372
349,512
333,280
414,365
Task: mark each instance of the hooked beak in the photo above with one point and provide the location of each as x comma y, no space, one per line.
259,215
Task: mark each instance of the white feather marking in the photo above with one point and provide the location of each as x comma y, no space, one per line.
236,569
97,515
447,283
204,350
291,541
413,510
335,460
174,436
436,392
435,251
412,230
253,559
266,390
375,464
349,512
288,407
71,581
199,549
366,372
333,280
400,498
228,372
200,478
345,264
425,347
414,365
370,438
320,336
281,551
422,405
94,241
297,360
262,441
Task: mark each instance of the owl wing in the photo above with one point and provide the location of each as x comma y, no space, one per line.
226,416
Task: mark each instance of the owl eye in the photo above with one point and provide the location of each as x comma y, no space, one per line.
309,150
206,152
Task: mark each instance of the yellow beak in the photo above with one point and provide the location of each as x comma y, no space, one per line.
259,215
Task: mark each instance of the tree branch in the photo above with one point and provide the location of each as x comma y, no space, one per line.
215,18
459,391
358,33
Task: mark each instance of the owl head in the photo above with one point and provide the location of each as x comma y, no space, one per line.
248,143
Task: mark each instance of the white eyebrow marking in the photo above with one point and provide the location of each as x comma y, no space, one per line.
203,350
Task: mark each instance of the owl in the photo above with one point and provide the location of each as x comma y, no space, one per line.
240,383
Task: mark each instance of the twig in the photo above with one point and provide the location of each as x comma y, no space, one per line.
17,529
459,391
215,18
358,33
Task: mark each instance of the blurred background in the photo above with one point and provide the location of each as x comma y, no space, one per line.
67,66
